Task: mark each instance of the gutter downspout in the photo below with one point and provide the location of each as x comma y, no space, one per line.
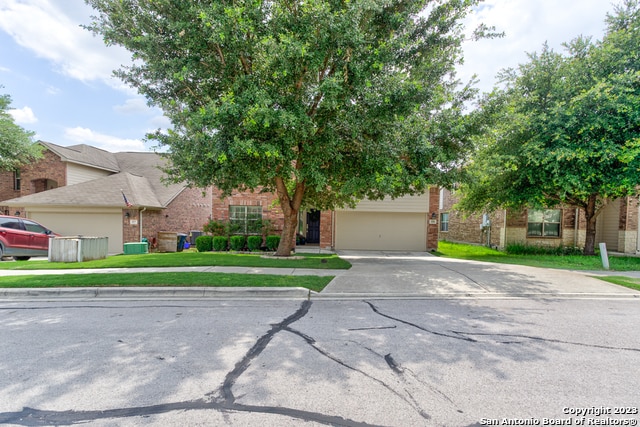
140,224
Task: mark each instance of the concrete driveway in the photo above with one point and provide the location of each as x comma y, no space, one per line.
419,274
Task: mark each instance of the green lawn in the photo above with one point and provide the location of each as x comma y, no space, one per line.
629,282
177,259
189,259
315,283
567,262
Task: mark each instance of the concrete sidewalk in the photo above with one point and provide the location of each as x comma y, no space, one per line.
374,274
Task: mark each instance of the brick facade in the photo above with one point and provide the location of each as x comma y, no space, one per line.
433,225
268,201
464,228
326,230
47,173
189,211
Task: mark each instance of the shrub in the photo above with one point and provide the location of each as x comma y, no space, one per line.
216,228
267,227
273,242
522,249
254,242
220,243
204,243
237,243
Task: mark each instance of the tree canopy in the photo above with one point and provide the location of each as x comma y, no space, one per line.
565,128
323,102
16,144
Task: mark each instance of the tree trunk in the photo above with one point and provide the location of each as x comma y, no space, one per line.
290,208
590,216
288,236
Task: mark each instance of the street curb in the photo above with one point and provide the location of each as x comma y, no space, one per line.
204,293
142,292
474,296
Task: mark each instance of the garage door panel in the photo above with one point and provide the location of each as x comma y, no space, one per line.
84,224
381,231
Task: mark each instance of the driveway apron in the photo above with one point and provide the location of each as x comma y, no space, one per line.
419,274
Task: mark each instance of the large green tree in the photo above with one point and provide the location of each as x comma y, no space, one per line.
16,144
565,128
323,102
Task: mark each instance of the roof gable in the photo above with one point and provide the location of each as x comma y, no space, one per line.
140,178
84,155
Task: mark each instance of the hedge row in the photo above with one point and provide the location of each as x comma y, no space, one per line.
235,243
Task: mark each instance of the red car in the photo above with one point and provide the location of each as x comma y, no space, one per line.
23,238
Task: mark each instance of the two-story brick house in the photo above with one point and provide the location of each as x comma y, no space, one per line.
81,190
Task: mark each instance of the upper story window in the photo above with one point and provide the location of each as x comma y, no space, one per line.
544,222
444,221
16,180
247,219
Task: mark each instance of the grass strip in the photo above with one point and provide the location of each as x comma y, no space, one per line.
566,262
189,259
628,282
315,283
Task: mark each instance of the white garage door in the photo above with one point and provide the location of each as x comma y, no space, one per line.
381,231
85,224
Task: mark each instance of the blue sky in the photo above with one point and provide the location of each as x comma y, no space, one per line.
59,75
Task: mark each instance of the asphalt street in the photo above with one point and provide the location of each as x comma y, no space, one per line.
390,362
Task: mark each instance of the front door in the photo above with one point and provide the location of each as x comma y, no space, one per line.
313,227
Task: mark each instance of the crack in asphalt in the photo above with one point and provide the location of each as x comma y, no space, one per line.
38,417
410,402
465,336
552,340
440,334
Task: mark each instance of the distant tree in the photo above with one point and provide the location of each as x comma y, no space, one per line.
565,128
322,102
16,145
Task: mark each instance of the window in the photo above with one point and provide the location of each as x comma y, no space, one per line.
444,222
12,223
34,227
544,223
246,219
16,180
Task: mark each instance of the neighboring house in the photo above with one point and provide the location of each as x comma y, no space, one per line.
618,225
78,190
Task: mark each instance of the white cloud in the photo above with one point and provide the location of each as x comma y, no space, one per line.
160,121
52,90
82,135
133,106
46,28
23,116
528,25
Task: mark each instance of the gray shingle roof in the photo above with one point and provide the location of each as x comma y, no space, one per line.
85,155
138,175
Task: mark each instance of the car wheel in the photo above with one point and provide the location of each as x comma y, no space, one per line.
22,258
